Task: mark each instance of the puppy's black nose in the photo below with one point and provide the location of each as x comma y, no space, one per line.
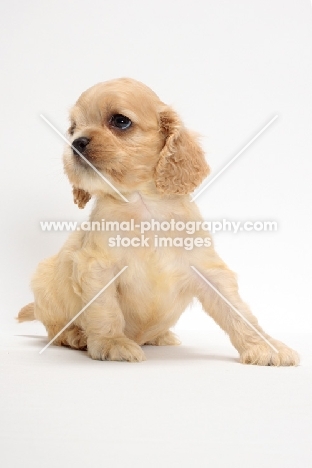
80,144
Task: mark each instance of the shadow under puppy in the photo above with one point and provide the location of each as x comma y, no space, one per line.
143,149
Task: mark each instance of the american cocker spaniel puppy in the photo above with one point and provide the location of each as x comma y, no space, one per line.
141,147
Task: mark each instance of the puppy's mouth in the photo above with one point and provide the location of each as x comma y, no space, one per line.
82,160
91,157
82,153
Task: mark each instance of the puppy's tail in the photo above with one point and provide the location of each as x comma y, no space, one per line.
27,313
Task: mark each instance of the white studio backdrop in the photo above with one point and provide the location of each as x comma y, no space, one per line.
227,67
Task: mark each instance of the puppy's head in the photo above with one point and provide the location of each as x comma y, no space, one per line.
122,131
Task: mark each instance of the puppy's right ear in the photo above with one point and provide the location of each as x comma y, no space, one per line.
182,165
81,197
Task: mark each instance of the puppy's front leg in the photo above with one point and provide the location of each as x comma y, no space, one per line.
253,348
103,320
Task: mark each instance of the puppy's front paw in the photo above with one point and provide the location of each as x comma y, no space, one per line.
115,349
263,355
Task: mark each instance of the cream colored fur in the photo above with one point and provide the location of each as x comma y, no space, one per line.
155,164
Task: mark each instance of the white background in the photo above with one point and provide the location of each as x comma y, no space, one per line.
227,67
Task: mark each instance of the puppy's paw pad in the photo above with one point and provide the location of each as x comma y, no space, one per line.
264,355
167,339
116,349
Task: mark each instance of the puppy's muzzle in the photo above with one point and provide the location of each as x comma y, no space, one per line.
80,144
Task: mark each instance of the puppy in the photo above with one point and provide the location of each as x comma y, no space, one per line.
121,130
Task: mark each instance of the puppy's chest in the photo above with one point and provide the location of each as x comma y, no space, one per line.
142,225
154,275
150,289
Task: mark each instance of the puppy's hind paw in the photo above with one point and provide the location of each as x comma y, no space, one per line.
263,355
75,338
167,339
115,349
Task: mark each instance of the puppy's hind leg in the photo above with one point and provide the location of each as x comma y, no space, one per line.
167,338
72,337
75,338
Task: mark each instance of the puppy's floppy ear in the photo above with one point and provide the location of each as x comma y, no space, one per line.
81,197
181,166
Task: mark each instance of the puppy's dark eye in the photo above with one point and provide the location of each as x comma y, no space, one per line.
120,121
